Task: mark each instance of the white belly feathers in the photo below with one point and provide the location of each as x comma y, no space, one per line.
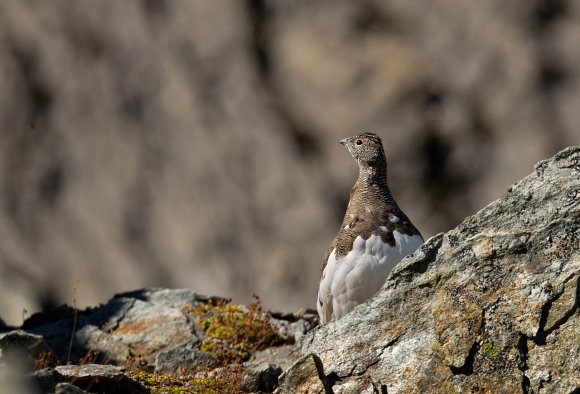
352,279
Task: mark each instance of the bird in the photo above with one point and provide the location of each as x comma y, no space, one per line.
373,237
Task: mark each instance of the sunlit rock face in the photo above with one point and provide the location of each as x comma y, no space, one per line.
491,304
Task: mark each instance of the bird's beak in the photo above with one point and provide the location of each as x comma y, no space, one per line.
344,141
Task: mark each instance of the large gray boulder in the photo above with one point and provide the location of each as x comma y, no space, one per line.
491,306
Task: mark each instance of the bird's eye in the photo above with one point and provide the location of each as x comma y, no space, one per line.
358,142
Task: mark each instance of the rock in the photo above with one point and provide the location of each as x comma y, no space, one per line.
293,326
76,379
283,356
99,378
23,350
552,358
184,360
265,366
52,315
174,298
67,388
260,378
46,379
109,373
490,306
139,324
303,377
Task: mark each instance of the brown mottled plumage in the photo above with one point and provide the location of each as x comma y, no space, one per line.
371,192
358,259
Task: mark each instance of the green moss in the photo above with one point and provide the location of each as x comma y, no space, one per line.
227,382
490,350
225,351
234,332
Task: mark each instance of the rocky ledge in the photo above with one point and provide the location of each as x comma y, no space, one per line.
152,341
491,306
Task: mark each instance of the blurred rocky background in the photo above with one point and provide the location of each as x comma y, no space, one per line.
195,143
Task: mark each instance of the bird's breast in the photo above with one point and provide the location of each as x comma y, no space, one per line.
351,279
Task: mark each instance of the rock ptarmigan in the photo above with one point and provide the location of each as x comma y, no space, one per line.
374,236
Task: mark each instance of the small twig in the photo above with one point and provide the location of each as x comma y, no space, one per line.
74,321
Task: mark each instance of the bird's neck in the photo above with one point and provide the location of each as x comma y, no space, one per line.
373,175
371,184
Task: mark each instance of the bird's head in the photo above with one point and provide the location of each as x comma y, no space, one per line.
366,148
